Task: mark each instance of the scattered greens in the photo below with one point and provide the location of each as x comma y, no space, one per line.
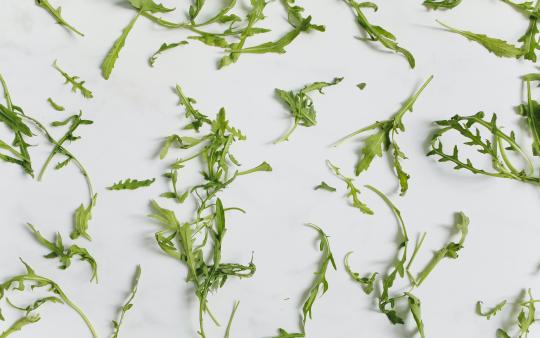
128,305
301,106
162,48
495,147
441,4
525,318
384,139
65,254
325,186
131,184
377,33
352,191
189,241
31,281
389,298
319,286
55,105
57,15
76,85
529,40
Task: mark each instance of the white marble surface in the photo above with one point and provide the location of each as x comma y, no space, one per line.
136,108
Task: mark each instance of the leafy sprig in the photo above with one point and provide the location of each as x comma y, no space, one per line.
352,191
164,47
496,46
142,6
385,139
301,106
531,113
525,318
131,184
324,186
495,147
30,280
319,285
377,33
76,85
55,105
129,303
57,15
65,254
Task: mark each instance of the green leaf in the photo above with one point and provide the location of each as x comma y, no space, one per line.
320,284
353,191
441,4
83,215
150,6
57,15
75,84
498,47
415,307
164,47
128,305
112,56
491,312
324,186
361,85
531,112
55,106
301,105
131,184
367,283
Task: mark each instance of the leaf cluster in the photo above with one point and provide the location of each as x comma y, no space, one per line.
388,296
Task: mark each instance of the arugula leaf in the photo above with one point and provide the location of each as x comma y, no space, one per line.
83,215
112,56
165,46
384,139
495,147
131,184
58,250
301,106
284,334
173,176
324,186
55,106
57,15
295,17
415,308
128,305
498,47
377,33
531,112
491,312
195,8
441,4
20,323
75,84
450,250
361,85
229,324
367,283
33,281
529,40
353,191
320,284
